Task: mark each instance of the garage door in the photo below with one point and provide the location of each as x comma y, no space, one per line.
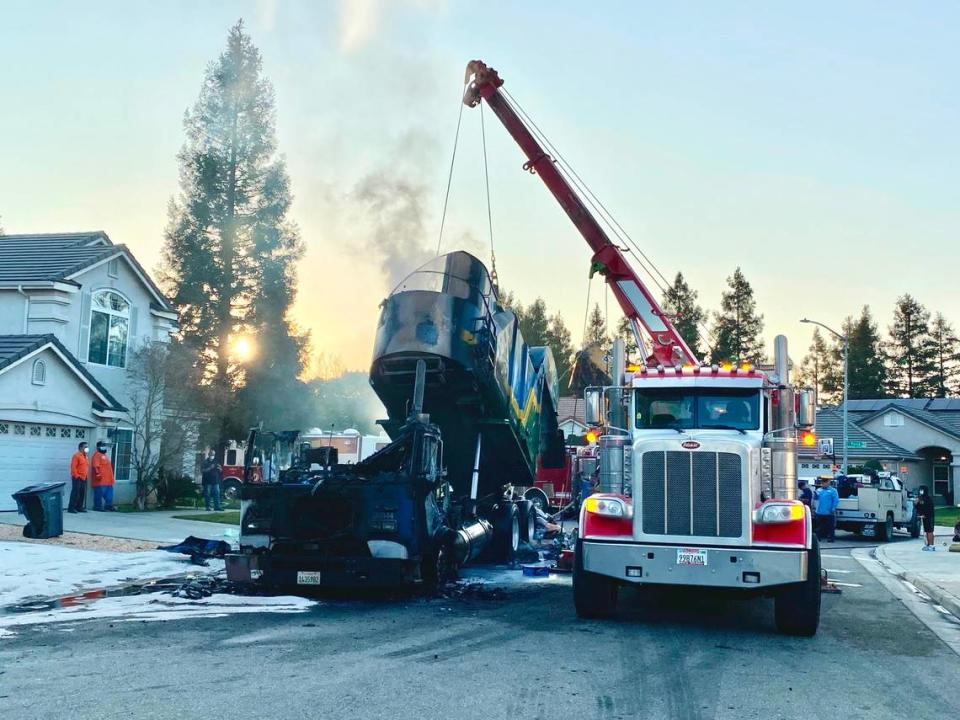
31,453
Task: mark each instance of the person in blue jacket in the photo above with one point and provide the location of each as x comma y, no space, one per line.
826,510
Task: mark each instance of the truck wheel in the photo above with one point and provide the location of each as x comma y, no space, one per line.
433,567
506,532
230,489
528,520
885,530
797,607
538,497
915,526
594,596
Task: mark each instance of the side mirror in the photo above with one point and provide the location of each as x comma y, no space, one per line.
806,408
592,399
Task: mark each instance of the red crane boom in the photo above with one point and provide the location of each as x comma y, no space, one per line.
636,301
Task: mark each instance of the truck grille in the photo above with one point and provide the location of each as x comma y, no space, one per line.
692,493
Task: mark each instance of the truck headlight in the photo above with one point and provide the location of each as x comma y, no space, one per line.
608,506
778,513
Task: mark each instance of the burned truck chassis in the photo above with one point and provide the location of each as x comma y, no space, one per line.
388,520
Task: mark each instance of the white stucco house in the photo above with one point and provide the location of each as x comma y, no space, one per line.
73,307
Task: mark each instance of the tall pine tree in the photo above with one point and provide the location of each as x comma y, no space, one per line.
947,357
534,323
911,354
737,327
867,373
821,369
625,333
596,334
230,250
680,302
559,339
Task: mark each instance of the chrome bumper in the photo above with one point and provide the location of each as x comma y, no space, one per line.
726,567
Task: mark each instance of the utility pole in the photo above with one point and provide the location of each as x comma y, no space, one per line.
846,378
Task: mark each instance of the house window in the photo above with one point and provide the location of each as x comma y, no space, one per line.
893,419
109,323
18,429
80,433
113,267
122,446
35,431
39,372
50,431
64,432
4,429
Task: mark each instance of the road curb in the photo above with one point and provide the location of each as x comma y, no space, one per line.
950,602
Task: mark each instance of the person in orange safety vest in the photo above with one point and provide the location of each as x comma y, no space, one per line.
102,479
79,470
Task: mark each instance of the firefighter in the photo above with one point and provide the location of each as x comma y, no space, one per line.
79,471
102,479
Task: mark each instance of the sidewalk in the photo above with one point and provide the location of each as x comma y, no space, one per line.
159,526
936,574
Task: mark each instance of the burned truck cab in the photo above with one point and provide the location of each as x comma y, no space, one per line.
377,522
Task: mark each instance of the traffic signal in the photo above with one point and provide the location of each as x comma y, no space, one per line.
808,438
593,434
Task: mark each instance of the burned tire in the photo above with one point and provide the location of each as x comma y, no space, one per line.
434,567
506,532
797,606
528,520
230,489
915,526
538,497
594,596
884,530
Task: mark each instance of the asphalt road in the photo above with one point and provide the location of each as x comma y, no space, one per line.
670,655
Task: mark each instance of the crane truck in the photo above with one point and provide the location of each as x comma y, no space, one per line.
697,461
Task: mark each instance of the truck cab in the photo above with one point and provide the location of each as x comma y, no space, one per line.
698,487
874,504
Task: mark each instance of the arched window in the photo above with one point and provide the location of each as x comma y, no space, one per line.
109,326
39,372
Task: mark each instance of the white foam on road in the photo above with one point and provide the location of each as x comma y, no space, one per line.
32,570
155,608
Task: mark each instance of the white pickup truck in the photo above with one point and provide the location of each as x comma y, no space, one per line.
875,505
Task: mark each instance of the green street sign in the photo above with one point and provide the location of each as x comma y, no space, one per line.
856,444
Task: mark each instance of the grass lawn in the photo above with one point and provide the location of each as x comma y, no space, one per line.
948,516
229,517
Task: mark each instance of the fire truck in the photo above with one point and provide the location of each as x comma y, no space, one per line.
697,461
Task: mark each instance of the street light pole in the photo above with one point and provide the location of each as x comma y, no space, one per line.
846,378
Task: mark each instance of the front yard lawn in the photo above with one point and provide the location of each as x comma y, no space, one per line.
228,517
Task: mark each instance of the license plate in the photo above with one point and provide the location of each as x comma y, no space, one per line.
692,556
308,578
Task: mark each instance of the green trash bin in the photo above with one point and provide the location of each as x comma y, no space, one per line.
42,505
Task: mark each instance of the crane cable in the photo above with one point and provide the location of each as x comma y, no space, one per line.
453,157
589,198
486,178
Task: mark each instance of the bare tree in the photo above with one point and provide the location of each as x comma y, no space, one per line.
165,409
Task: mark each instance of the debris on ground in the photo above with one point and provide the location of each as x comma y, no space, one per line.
471,589
826,586
199,549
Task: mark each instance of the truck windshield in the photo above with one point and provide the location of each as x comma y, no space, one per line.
684,409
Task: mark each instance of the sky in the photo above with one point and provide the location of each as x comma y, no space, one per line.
814,145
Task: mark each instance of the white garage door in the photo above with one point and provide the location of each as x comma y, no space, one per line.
31,453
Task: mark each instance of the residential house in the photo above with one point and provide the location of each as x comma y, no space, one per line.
917,438
571,418
73,307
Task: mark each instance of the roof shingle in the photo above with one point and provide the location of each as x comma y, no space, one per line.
15,347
